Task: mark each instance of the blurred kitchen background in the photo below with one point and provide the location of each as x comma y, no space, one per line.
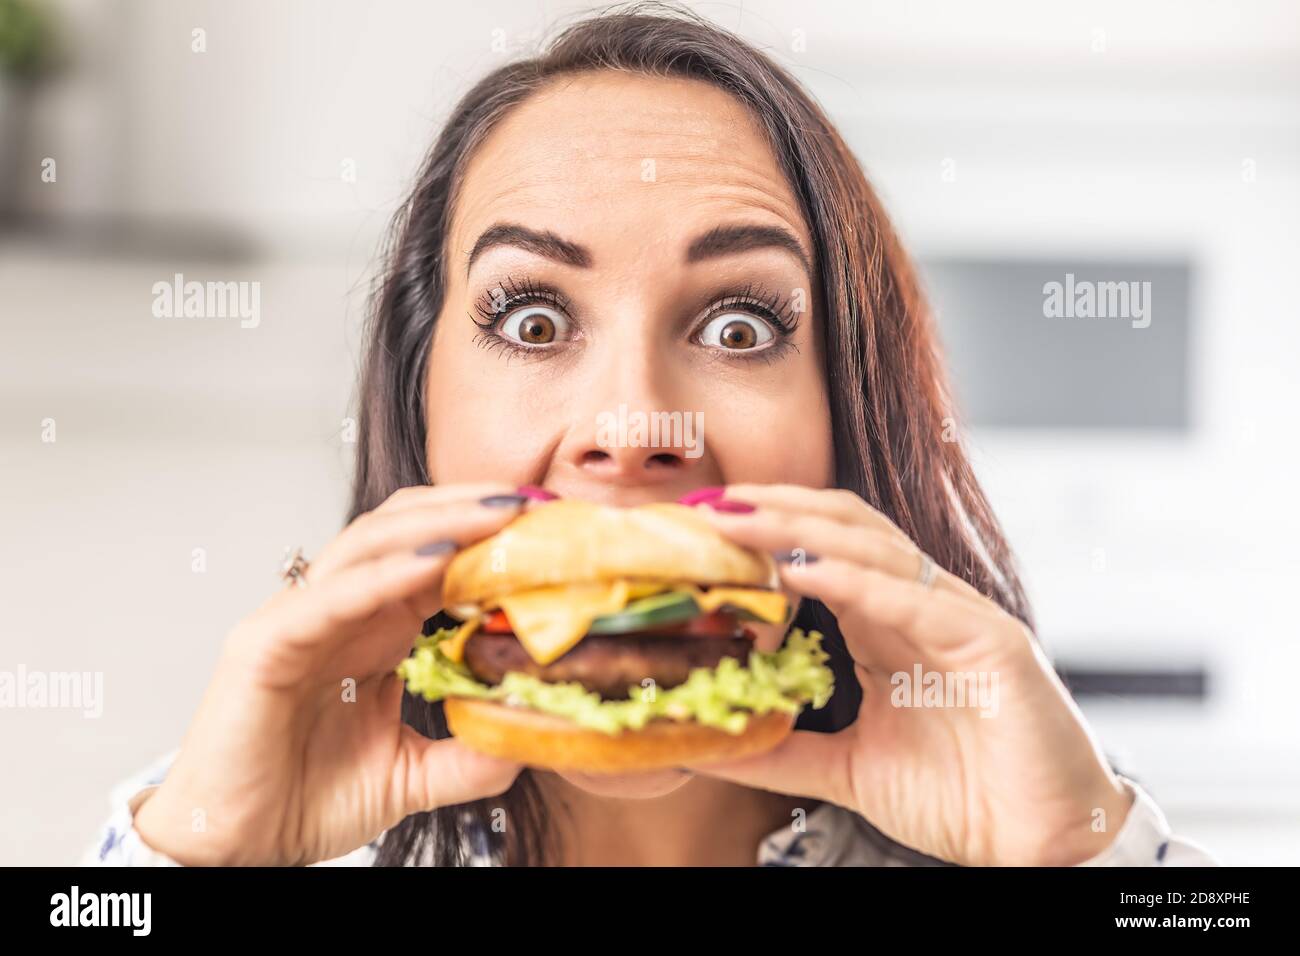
153,470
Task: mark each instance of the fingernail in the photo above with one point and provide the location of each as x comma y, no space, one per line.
733,507
502,501
702,494
536,493
797,556
433,548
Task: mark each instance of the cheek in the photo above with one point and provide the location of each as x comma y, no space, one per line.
779,433
480,425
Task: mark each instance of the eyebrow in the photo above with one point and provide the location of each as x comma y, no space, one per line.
717,242
728,240
546,244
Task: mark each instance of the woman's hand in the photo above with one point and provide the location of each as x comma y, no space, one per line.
298,752
1011,779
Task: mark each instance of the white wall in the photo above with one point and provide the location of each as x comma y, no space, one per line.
1139,549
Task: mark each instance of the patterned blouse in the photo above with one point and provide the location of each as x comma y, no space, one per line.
830,836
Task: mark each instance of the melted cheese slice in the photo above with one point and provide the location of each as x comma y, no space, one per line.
769,606
639,589
551,621
454,646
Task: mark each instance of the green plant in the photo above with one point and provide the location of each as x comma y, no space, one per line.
26,38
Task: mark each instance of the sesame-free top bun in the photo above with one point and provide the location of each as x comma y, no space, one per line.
551,742
576,542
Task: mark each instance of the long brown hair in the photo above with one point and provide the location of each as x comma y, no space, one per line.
892,417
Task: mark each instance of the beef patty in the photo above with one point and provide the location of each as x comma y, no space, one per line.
607,664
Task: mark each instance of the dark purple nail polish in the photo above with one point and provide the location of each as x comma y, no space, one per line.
434,548
732,507
797,556
702,494
502,501
536,493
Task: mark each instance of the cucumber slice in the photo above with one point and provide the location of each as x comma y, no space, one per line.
741,614
654,611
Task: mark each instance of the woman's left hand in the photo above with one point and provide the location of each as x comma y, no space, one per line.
1012,777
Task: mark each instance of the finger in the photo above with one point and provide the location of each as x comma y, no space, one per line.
798,537
805,764
933,622
836,504
362,620
443,773
421,495
384,600
379,534
349,602
802,536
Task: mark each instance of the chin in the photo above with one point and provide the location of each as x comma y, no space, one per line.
644,785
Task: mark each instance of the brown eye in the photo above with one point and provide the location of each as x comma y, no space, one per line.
738,335
534,325
536,329
736,332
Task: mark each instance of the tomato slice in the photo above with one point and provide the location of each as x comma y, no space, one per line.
714,624
495,623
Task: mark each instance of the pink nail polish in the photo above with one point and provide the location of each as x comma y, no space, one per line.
700,495
731,507
536,493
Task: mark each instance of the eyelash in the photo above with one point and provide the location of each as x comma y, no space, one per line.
515,294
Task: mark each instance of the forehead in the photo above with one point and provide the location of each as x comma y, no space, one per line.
611,158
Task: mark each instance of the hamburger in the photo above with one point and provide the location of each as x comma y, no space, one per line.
609,640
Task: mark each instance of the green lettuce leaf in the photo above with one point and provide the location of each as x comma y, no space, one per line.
723,696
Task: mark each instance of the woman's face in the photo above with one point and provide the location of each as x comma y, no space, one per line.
625,251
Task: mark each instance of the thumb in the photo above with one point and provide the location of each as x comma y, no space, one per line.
805,764
442,773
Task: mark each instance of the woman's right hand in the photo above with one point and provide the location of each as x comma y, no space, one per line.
297,752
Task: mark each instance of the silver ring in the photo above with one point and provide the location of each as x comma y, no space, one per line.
293,568
925,577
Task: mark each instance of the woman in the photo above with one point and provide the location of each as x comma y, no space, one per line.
649,214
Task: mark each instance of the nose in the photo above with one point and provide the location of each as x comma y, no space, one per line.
636,443
634,429
633,466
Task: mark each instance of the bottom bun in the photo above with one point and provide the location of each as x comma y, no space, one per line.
550,742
